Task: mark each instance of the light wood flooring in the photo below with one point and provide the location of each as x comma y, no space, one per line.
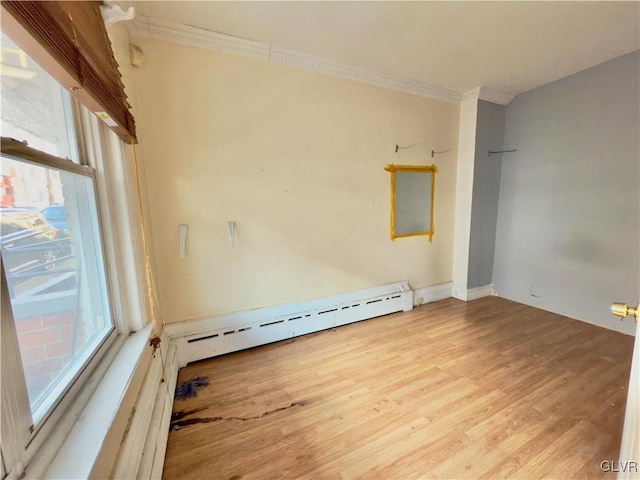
486,389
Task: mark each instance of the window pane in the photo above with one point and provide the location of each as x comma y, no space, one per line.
35,108
52,257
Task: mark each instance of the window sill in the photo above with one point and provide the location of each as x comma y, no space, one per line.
93,442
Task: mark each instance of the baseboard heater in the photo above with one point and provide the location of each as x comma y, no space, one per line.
210,337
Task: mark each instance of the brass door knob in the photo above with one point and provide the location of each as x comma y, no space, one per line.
623,310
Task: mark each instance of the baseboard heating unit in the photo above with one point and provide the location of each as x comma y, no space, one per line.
210,337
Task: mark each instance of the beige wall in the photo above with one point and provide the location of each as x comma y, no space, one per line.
296,160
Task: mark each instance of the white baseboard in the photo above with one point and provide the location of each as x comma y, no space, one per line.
470,294
432,293
209,337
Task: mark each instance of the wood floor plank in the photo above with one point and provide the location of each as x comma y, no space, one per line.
485,389
424,457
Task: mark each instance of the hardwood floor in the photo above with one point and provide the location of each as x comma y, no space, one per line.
487,389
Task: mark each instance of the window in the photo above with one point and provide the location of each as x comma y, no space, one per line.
35,108
412,199
57,317
55,276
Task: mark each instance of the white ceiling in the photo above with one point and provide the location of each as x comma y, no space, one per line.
511,47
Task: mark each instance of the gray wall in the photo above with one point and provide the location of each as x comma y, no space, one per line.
567,233
486,188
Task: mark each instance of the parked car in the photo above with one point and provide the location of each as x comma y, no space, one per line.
57,216
28,241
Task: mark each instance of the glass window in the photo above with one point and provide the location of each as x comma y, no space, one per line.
35,108
56,278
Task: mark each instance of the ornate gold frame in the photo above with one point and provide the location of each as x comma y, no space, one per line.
393,169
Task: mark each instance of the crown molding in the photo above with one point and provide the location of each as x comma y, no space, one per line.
495,96
488,95
152,27
472,95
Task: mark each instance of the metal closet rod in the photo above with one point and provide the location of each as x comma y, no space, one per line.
491,152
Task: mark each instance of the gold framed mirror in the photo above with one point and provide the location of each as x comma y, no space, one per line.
412,200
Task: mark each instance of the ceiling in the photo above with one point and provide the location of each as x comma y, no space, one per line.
510,47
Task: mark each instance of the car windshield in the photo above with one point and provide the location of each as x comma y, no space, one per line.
35,221
10,225
13,222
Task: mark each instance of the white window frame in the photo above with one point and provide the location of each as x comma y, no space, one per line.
29,451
